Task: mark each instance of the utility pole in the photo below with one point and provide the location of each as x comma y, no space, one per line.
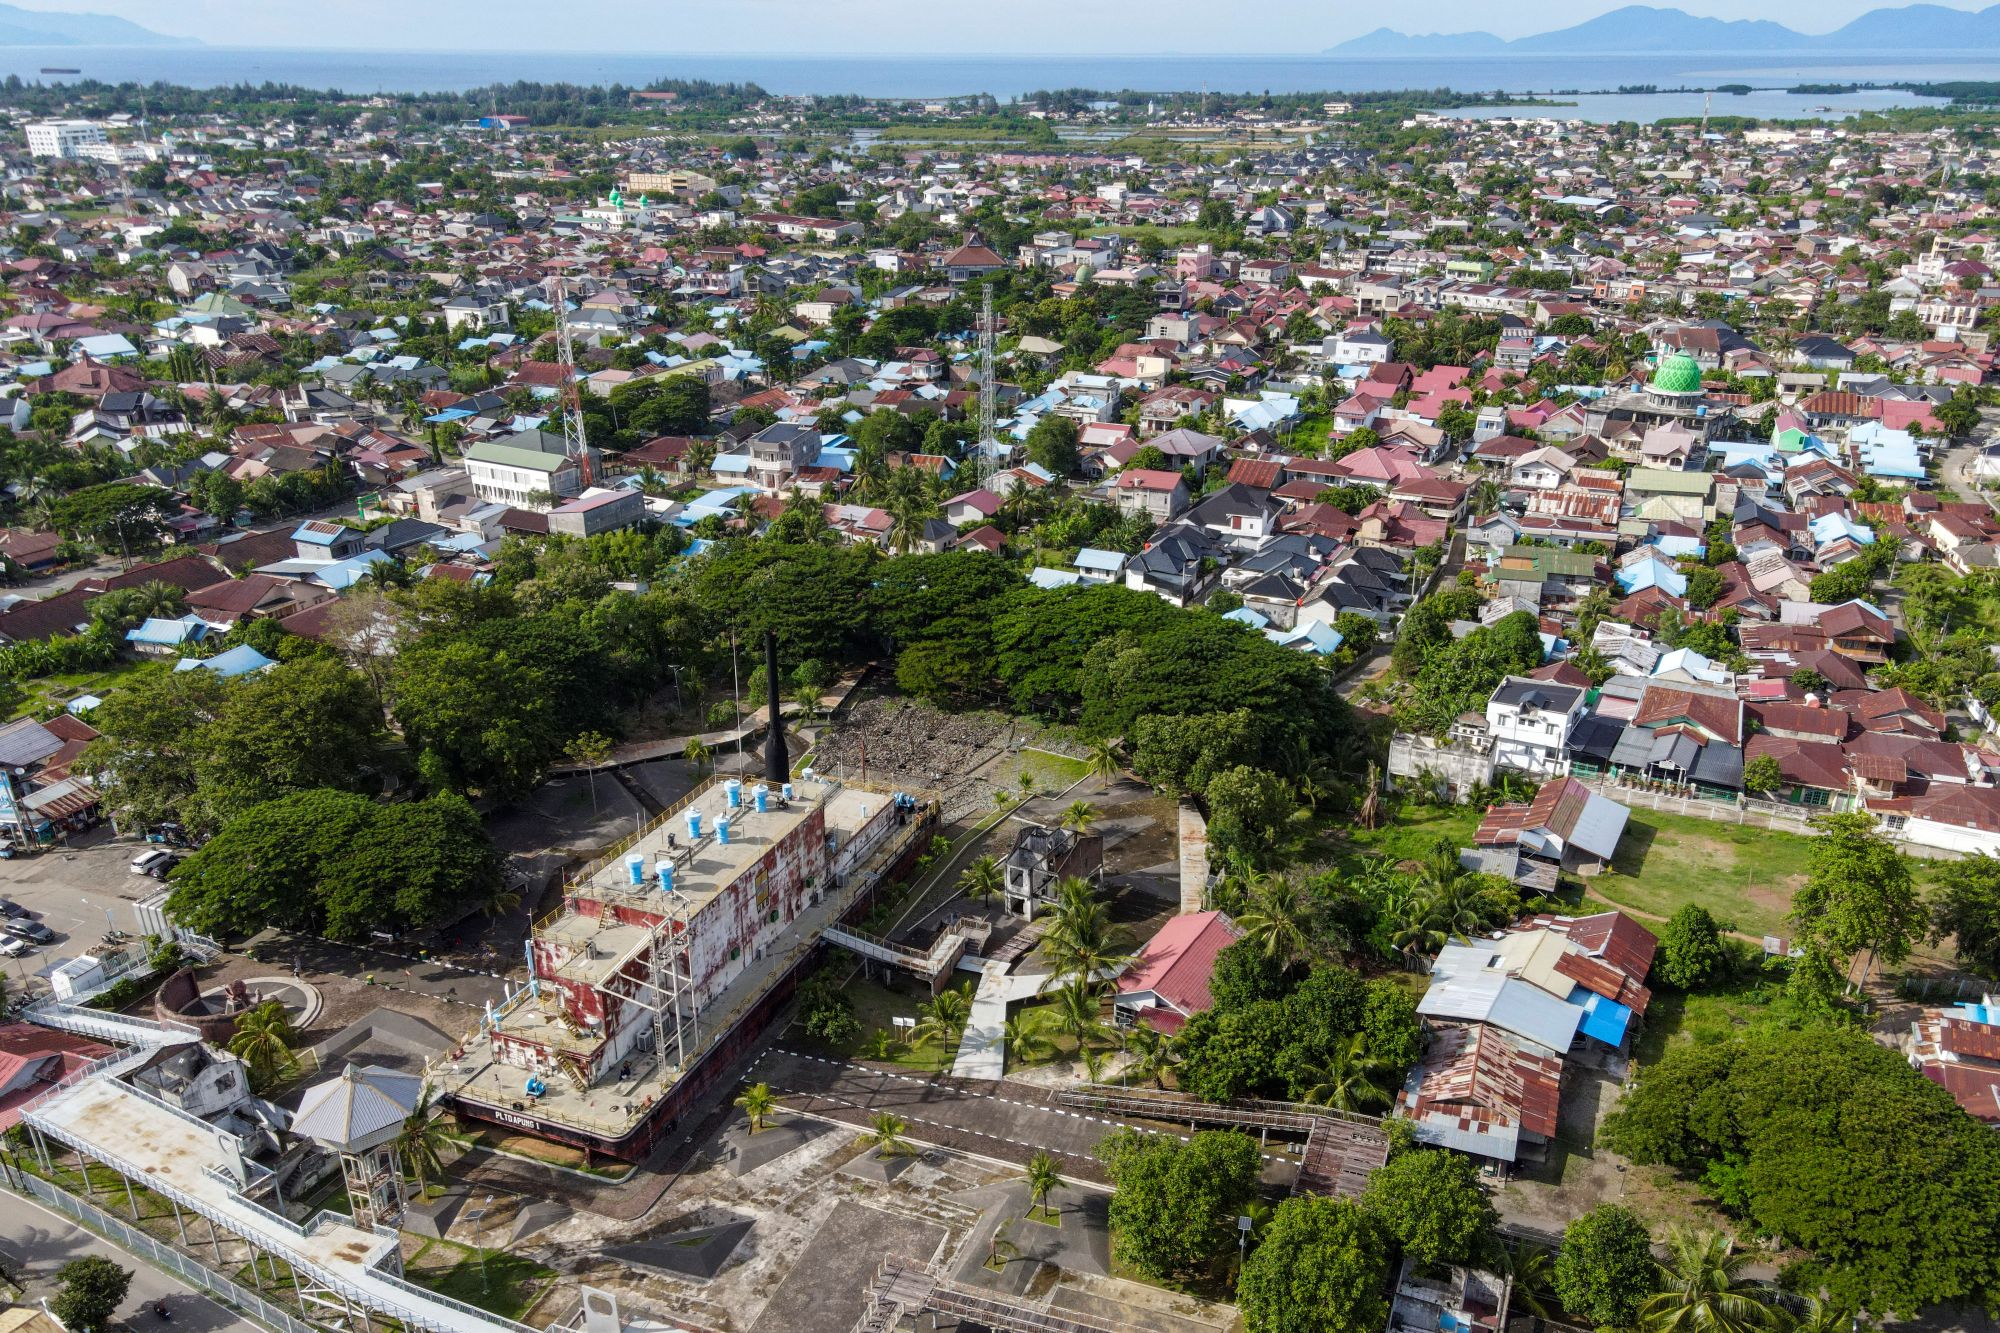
986,415
575,444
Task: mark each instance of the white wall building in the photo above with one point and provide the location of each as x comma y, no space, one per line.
62,138
1530,722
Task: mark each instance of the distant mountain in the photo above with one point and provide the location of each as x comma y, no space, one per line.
34,27
1646,28
1389,42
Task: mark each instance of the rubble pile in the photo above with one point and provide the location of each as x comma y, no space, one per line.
902,739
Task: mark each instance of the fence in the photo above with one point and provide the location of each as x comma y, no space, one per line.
132,1239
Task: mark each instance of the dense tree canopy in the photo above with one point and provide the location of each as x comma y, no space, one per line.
1175,1207
1605,1267
1254,1042
194,748
335,863
1323,1266
1431,1202
1831,1141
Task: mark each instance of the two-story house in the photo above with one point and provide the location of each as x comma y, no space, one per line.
779,451
1152,493
1530,723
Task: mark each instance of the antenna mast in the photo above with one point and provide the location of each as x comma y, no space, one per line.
986,442
575,444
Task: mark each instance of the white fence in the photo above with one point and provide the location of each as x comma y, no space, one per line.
130,1238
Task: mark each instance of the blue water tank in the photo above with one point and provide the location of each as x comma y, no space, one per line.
635,866
735,790
694,825
665,870
787,789
722,830
763,795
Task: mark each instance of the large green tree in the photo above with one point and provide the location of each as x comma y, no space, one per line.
88,1293
338,863
1833,1143
1965,908
476,719
1605,1266
1431,1202
1175,1205
1323,1266
1859,892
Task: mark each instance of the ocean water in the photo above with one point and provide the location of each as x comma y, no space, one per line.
1008,76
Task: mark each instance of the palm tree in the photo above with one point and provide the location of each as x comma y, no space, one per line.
1081,940
1348,1079
944,1018
1023,1040
1079,1010
757,1102
421,1141
263,1040
503,900
1152,1054
807,699
1104,763
1079,816
887,1135
1042,1178
696,754
587,750
1823,1316
1482,499
1702,1289
1000,1251
1278,917
982,880
1370,813
1531,1269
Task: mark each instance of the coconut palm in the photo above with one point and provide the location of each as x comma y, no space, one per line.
263,1041
1024,1041
1152,1054
944,1018
696,753
887,1135
1483,498
1702,1289
1823,1316
1277,917
1079,816
1104,763
982,880
1350,1079
421,1141
757,1102
1042,1178
1081,940
1079,1011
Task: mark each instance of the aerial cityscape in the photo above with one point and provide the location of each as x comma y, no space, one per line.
1347,686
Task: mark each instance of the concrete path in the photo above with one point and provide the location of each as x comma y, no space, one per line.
35,1242
982,1048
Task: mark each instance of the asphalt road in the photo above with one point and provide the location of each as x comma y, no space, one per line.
1007,1121
35,1242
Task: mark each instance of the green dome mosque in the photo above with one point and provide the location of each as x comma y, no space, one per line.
1676,375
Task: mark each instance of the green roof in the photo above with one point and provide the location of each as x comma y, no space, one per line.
511,455
1547,560
1677,373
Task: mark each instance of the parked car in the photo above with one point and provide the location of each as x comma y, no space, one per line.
24,929
13,946
144,862
8,907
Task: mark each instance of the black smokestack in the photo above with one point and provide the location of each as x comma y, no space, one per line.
777,762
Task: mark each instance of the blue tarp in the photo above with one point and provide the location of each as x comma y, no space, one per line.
1603,1019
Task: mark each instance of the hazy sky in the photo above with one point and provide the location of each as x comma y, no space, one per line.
857,26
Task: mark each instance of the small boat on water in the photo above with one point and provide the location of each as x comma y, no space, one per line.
59,69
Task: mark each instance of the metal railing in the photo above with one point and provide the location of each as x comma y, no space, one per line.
135,1241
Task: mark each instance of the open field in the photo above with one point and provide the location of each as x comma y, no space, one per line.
1742,875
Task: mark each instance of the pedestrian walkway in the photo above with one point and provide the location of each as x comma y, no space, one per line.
982,1047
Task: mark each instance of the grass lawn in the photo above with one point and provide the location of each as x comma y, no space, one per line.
875,1005
494,1280
1409,834
1749,1004
1741,874
53,692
